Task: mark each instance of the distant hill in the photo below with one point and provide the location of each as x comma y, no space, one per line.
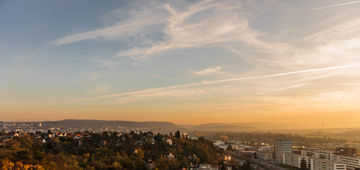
168,126
234,127
96,124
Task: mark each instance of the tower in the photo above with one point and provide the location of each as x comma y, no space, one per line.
281,147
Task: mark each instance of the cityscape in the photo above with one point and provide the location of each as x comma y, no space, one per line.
234,150
180,85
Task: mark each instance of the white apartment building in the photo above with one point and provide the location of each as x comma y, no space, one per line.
312,163
351,162
323,160
321,164
339,166
315,160
295,160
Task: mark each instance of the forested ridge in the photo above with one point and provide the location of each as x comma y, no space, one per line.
109,150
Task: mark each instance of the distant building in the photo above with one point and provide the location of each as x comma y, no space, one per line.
351,162
169,141
315,161
170,156
339,166
346,151
326,160
294,160
264,155
320,164
281,147
227,157
221,145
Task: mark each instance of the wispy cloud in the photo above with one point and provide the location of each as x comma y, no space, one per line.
102,89
95,76
223,22
138,24
337,5
207,71
202,23
173,89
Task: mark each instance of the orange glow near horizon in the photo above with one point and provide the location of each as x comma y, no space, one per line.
291,63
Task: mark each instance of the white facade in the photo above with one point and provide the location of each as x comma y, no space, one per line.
321,164
322,160
313,164
351,162
295,160
339,166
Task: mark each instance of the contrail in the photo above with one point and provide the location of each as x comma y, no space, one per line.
336,5
284,73
156,90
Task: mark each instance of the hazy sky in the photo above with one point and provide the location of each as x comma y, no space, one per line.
282,61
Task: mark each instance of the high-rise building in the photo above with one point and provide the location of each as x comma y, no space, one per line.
281,147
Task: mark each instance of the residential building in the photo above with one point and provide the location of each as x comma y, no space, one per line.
351,162
295,160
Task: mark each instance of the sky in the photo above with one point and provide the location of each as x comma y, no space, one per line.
187,62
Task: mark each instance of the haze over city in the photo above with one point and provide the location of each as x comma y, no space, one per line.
187,62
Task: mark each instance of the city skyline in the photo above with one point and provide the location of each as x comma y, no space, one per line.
187,62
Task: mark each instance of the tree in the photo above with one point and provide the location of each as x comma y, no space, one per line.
303,164
6,164
229,148
107,150
246,166
177,134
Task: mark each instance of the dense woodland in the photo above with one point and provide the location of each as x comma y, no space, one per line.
110,150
